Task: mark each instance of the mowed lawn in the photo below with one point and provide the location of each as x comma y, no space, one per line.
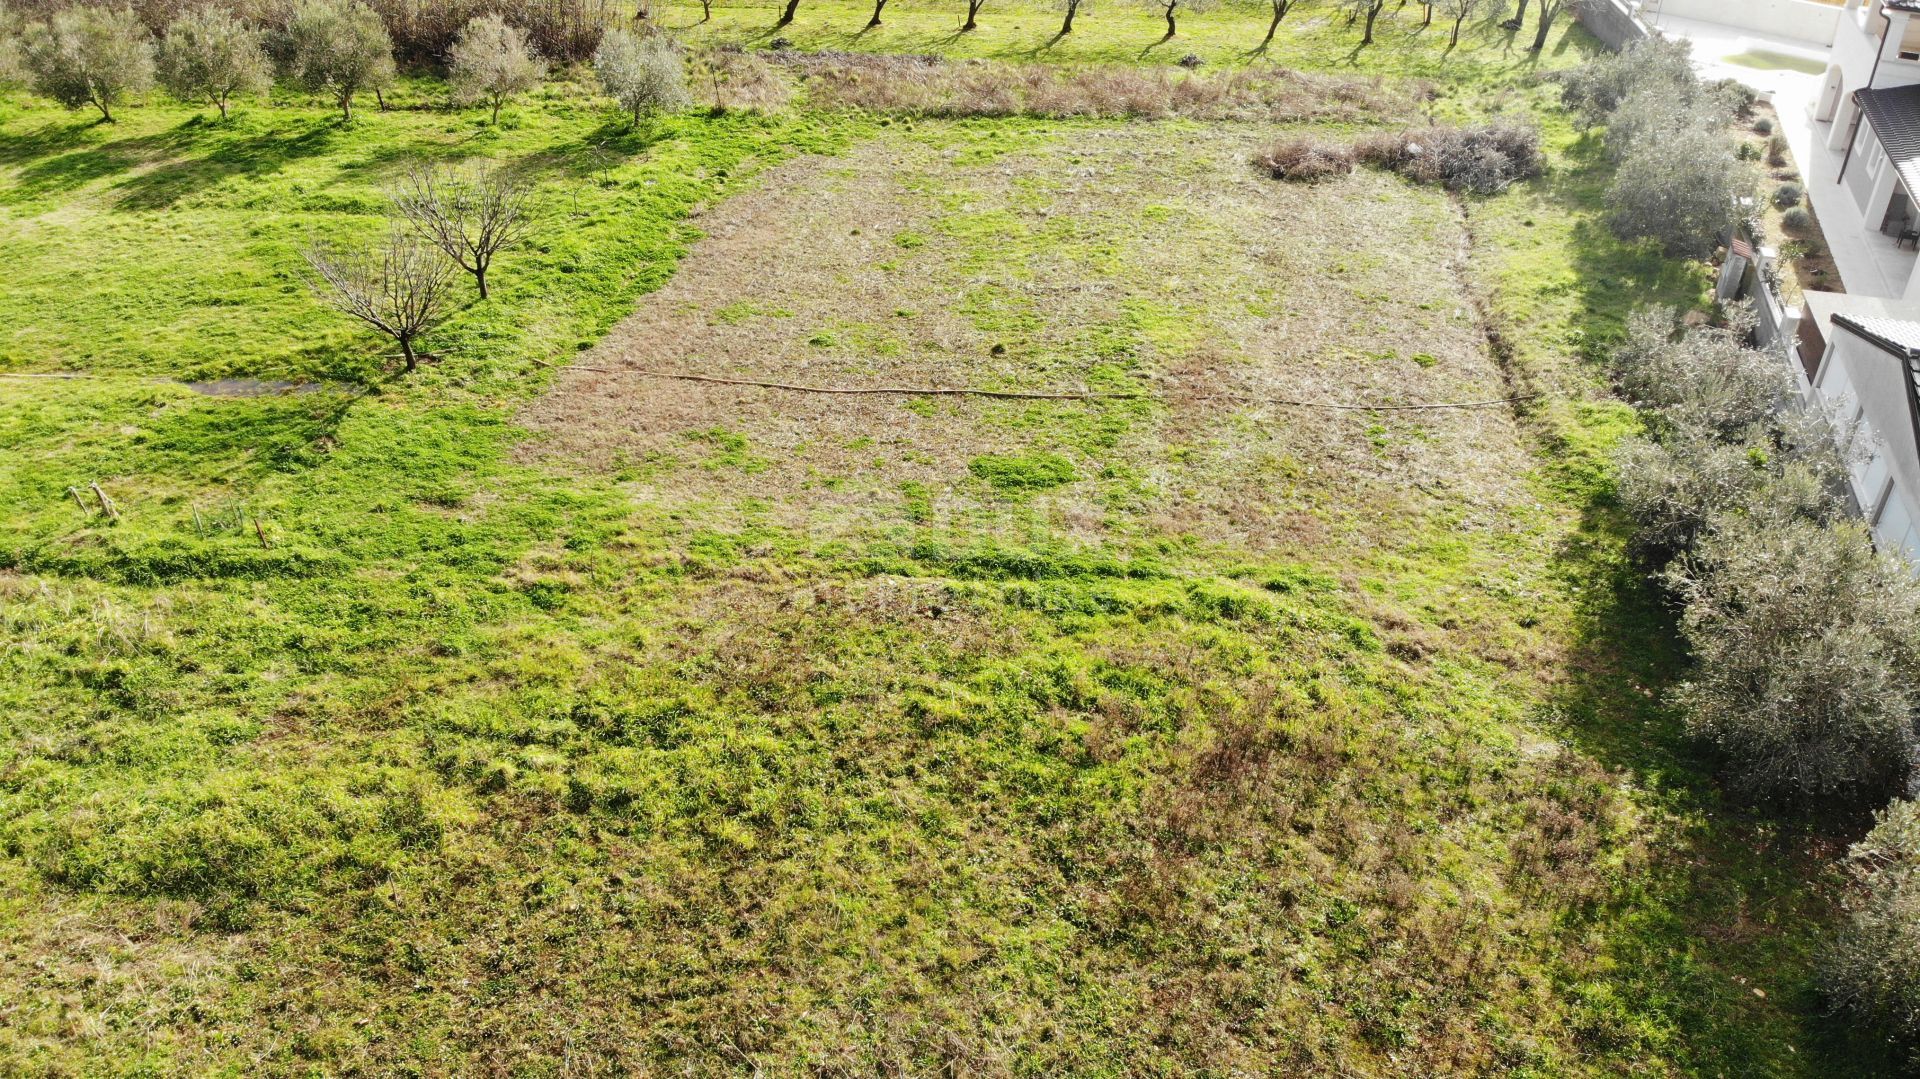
510,718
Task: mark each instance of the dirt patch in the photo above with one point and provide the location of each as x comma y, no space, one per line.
1138,257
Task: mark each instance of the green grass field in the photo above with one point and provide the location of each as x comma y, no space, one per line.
502,719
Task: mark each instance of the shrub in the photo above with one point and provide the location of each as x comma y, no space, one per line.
1483,160
209,55
644,74
1873,970
1797,218
1747,151
339,46
492,61
1807,645
1777,151
89,56
1306,160
1787,195
1763,126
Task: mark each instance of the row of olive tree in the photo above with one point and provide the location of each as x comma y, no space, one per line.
1679,177
100,56
1805,639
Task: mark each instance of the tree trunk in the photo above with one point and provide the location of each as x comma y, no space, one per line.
406,350
1272,27
1372,14
480,278
222,102
1546,24
706,10
380,98
878,6
106,114
1171,28
973,12
1520,16
793,7
346,107
1455,43
1428,20
496,110
1066,27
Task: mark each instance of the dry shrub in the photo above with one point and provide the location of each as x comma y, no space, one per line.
1483,160
928,86
731,79
1306,160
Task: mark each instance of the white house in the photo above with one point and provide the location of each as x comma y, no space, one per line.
1871,101
1867,378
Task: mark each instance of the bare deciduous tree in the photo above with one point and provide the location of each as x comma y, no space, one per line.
1070,8
1549,11
1169,9
341,46
399,286
209,55
1280,10
89,56
1461,11
644,74
469,215
1367,10
492,61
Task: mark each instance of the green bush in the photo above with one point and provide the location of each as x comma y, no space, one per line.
1787,195
1872,971
1797,218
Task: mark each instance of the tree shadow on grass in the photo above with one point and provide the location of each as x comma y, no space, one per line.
75,169
259,155
50,138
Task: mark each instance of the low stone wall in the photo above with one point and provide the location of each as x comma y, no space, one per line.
1611,22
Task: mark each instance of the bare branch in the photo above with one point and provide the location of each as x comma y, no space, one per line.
399,286
470,214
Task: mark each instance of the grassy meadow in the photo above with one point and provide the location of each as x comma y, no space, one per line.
510,719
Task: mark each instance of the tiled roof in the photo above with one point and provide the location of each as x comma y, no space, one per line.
1894,114
1903,5
1898,336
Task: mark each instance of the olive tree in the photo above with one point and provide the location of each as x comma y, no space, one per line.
89,56
470,215
1703,377
644,74
341,47
1807,650
1679,188
209,55
11,71
1872,970
492,61
1596,88
399,285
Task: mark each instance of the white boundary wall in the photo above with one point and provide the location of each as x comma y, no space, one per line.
1801,20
